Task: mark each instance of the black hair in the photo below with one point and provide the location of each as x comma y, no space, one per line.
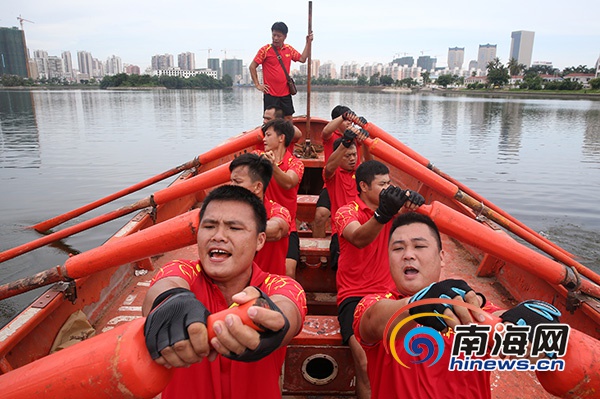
281,126
238,194
280,27
259,168
338,110
412,217
368,170
278,111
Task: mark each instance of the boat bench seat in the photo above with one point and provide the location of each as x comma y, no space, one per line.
307,205
313,271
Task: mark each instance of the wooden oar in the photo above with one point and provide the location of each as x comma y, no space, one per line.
389,154
377,132
171,234
502,246
211,177
235,145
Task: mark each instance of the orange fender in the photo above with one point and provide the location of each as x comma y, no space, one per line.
115,364
581,376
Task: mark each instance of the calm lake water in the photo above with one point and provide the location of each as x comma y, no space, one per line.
539,159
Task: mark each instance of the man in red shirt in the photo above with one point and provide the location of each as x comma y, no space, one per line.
254,172
416,259
184,293
287,174
272,112
275,86
363,225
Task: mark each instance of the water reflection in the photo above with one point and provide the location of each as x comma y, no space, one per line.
510,132
19,136
591,138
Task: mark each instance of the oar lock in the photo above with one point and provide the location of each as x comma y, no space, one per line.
68,288
573,292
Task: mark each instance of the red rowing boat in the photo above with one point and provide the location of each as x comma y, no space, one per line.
102,289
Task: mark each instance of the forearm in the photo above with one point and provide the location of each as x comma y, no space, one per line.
334,161
292,313
372,324
284,180
254,73
158,288
277,228
365,234
331,127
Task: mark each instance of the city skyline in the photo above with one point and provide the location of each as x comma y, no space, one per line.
355,33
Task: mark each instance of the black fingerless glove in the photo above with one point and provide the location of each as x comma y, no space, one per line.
348,138
172,313
269,340
446,289
531,313
414,197
391,200
349,116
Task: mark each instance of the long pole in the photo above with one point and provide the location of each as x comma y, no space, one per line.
309,72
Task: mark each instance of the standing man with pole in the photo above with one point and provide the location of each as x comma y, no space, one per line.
275,87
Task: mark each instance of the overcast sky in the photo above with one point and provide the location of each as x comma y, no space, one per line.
566,33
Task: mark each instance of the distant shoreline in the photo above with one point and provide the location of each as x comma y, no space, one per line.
362,89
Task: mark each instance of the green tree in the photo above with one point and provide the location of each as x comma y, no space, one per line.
595,83
374,80
12,80
227,81
514,67
497,73
408,82
577,69
426,77
386,80
362,80
445,80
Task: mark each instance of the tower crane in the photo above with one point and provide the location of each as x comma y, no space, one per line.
224,51
21,20
206,49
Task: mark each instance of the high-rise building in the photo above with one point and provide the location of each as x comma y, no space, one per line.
85,63
186,61
41,60
13,52
113,65
314,68
162,61
426,63
55,67
473,65
521,46
327,70
487,52
456,58
215,65
233,67
350,71
404,61
67,64
132,69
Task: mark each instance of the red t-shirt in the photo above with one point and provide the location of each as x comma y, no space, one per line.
224,378
341,188
422,380
271,258
273,75
287,198
361,271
